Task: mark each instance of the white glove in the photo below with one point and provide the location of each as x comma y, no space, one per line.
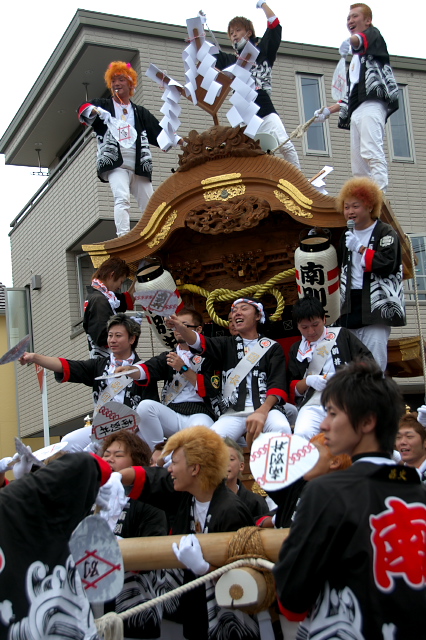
352,242
103,114
203,16
345,48
103,497
24,465
316,382
4,464
167,460
321,116
259,3
189,552
422,415
93,447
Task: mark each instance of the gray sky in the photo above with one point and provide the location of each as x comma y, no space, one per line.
32,30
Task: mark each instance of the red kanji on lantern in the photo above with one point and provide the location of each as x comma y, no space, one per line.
398,536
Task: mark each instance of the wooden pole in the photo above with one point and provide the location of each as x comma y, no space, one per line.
146,554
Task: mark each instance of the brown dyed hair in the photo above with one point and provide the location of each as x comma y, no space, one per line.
364,8
244,22
409,421
115,266
137,448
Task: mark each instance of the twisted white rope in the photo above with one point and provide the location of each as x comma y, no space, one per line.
110,626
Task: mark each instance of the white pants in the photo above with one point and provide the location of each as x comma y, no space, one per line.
123,182
159,422
375,337
235,426
272,123
367,136
309,421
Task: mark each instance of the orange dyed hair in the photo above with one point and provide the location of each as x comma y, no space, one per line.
364,190
364,8
119,68
342,461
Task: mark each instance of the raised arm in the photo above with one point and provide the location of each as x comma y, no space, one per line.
261,4
53,364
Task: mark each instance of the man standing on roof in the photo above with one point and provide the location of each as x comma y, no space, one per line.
124,158
372,96
240,31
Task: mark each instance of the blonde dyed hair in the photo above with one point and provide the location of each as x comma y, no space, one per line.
204,447
364,190
342,461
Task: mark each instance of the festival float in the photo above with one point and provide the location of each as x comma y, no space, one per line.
235,219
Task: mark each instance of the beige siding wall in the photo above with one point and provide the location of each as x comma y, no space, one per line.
77,200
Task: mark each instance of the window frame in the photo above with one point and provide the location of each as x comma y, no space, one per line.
403,89
325,125
409,288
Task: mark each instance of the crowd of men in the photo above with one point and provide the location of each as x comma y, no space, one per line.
354,562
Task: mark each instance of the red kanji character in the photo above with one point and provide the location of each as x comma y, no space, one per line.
398,536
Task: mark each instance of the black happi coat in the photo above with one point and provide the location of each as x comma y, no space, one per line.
85,372
157,369
262,69
268,374
376,79
202,618
347,348
354,558
383,300
254,502
140,520
38,514
109,155
97,312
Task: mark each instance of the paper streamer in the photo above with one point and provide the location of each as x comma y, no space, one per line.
198,60
244,108
171,107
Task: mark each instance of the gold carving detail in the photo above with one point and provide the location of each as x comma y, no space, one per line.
294,192
225,177
98,260
289,203
164,231
225,193
155,220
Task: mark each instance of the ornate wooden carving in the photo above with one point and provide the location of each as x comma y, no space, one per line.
236,214
247,266
215,143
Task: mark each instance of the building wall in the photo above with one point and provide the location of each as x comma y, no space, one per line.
41,242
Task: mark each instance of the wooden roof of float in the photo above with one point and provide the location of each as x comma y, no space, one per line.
227,186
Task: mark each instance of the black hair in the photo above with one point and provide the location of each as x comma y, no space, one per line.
197,318
360,389
131,326
307,308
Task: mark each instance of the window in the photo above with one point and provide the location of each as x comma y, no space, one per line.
18,315
419,246
311,94
399,130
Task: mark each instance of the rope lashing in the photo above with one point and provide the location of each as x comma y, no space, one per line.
256,290
298,132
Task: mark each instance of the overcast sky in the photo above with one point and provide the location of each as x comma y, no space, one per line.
31,31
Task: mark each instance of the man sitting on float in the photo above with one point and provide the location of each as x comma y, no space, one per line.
315,359
183,402
253,373
123,336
